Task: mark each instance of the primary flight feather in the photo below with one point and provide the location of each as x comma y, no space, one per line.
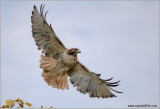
58,62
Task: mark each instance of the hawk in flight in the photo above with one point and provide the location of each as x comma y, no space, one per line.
59,63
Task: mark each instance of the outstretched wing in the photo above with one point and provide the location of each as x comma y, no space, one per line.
45,37
89,82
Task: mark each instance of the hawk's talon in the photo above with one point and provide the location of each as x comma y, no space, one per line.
48,69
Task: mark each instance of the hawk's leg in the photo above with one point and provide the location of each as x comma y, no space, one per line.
61,74
48,69
57,81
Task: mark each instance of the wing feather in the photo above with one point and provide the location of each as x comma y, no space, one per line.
89,82
44,35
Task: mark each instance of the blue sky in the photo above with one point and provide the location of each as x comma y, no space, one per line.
118,39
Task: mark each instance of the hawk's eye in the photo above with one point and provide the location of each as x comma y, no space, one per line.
72,52
76,49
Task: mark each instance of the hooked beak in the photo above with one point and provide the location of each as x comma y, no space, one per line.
78,51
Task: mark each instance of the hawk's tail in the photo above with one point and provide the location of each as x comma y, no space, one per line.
52,74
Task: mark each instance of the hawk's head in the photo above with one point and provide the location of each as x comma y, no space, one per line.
73,51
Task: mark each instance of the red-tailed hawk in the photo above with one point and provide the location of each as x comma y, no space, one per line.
60,62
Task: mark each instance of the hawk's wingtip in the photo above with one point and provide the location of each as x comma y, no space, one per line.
114,96
34,6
